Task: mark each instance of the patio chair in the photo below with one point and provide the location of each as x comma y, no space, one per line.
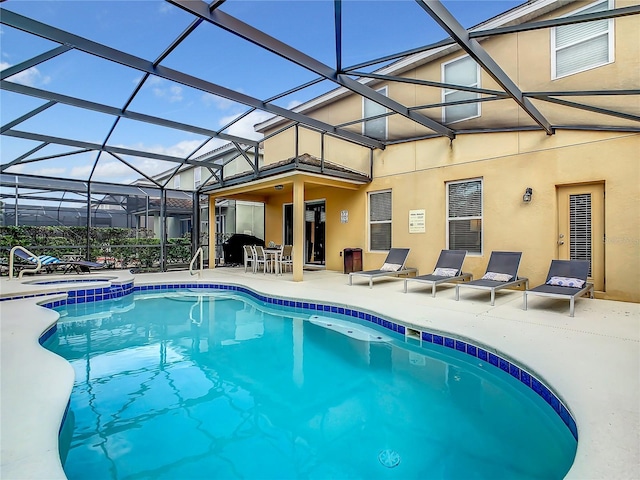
260,258
448,269
249,258
286,258
502,272
393,266
50,263
566,279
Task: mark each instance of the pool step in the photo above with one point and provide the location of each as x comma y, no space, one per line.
350,329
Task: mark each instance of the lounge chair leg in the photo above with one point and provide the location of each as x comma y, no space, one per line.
433,289
524,300
493,297
370,282
457,293
571,306
350,278
405,286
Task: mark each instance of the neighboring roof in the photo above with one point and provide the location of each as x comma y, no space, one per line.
213,157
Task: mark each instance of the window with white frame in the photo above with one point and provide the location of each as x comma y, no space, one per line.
463,71
582,46
376,128
464,215
197,177
176,182
380,220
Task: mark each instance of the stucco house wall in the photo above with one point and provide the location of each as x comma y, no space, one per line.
507,162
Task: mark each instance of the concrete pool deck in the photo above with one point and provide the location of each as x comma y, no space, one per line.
591,361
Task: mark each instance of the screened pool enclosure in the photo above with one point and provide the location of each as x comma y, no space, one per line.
119,118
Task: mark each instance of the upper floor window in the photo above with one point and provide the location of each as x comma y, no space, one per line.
464,215
582,46
197,177
462,71
176,182
376,128
380,220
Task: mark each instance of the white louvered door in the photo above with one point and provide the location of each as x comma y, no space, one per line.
581,227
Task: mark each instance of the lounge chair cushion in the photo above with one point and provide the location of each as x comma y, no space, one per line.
498,277
45,259
566,282
390,267
445,272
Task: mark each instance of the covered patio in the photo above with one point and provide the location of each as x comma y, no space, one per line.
289,182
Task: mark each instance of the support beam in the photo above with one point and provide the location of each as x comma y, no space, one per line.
212,231
195,223
444,18
589,108
99,50
405,53
558,22
98,147
298,229
88,254
429,83
22,157
32,62
26,116
138,171
254,164
261,39
117,112
163,230
337,11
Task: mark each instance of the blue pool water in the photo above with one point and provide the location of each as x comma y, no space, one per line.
186,386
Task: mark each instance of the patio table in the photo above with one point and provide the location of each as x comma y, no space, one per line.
273,256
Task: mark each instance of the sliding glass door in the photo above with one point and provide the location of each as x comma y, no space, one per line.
314,231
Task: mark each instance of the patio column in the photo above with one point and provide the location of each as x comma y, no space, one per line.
298,229
212,231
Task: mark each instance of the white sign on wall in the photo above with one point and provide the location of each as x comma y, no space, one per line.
344,216
416,221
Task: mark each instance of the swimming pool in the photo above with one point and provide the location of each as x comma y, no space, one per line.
200,384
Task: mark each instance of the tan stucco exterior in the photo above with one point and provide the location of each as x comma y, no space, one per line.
508,163
417,171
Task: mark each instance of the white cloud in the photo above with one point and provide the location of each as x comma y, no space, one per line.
173,93
30,77
180,149
165,7
209,99
209,146
152,167
151,80
293,104
161,88
244,127
104,169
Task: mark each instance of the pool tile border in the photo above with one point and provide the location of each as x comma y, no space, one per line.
118,290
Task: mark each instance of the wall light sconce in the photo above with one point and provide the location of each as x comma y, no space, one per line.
279,187
528,193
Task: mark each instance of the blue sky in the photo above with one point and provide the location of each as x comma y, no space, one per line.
371,29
